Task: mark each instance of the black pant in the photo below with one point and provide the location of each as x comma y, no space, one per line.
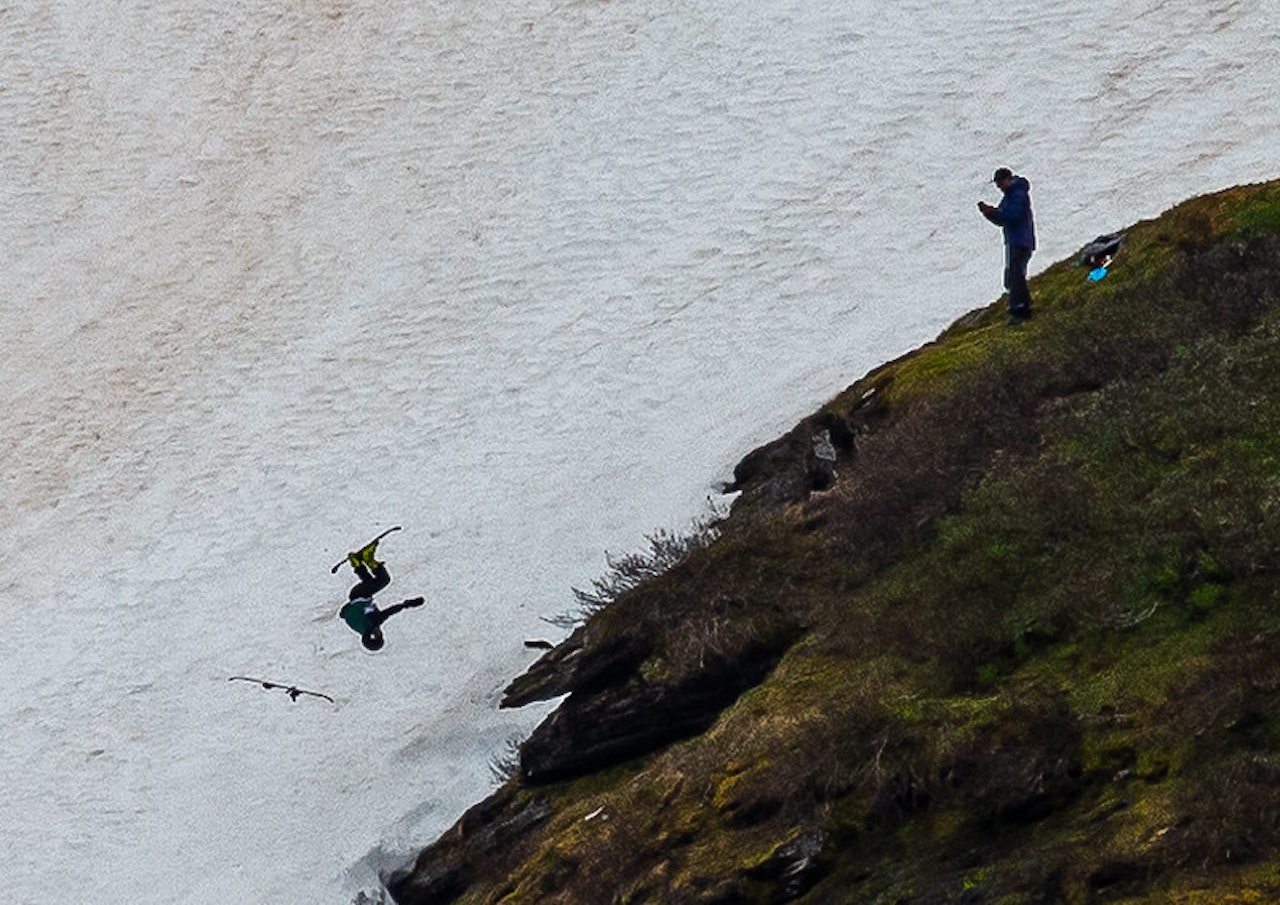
1015,278
370,584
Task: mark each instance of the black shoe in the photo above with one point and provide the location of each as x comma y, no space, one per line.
1021,316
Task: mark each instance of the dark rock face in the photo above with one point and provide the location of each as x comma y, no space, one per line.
443,872
591,732
804,460
577,665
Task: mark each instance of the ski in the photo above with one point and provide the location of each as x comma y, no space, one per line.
342,562
293,690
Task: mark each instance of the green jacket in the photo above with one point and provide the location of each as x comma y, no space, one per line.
358,614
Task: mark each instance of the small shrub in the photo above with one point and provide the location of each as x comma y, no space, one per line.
667,549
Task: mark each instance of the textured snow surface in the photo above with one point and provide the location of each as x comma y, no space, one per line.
527,281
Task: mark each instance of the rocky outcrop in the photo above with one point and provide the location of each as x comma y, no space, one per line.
806,458
486,833
591,732
612,714
581,664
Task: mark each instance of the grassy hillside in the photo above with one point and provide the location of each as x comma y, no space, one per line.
999,624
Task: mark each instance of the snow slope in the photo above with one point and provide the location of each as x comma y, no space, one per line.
526,281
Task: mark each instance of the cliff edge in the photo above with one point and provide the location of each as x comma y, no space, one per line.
998,624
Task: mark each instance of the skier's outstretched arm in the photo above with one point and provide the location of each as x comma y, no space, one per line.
397,607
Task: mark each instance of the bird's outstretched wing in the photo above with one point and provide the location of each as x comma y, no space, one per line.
292,690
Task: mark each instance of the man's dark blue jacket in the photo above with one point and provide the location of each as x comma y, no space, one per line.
1014,214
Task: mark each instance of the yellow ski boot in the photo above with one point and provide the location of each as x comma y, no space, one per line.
365,557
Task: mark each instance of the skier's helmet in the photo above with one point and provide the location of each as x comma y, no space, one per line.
372,639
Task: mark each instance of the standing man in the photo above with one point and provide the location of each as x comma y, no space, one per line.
1014,217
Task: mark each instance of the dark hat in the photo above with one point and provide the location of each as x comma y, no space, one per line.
1001,175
